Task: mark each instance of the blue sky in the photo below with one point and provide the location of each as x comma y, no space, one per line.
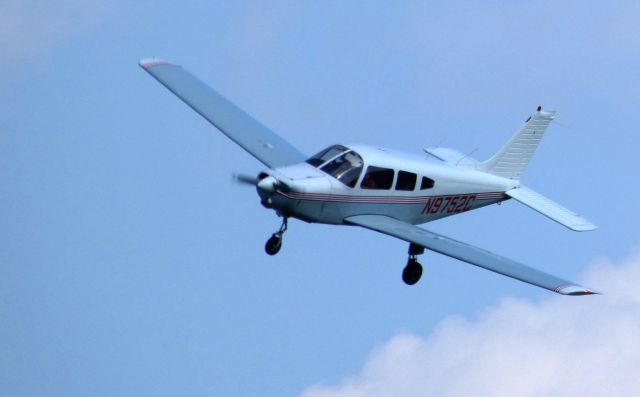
131,265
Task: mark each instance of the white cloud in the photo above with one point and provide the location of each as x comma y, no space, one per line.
561,346
30,28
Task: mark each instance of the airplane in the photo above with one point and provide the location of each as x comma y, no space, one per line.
383,190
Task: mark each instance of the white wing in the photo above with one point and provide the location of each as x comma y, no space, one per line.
252,136
467,253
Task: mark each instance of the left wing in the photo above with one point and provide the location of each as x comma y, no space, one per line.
467,253
241,128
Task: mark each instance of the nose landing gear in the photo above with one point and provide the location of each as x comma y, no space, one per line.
274,243
413,271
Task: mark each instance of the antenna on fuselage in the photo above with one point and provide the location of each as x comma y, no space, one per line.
429,149
466,155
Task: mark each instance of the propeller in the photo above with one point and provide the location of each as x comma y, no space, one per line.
266,183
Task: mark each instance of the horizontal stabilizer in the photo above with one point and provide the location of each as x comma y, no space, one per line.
451,156
550,209
467,253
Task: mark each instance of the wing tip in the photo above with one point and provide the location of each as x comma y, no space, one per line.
575,290
583,227
146,63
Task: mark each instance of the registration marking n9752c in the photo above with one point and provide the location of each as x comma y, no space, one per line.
448,204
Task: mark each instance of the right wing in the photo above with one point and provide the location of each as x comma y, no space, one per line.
467,253
241,128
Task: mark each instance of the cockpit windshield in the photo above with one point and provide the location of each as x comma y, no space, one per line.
326,155
346,168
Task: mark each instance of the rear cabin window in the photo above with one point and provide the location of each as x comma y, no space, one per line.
427,183
377,178
406,181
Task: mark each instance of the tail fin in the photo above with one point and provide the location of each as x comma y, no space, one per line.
511,161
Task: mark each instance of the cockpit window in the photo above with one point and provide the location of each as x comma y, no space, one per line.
326,155
346,168
377,178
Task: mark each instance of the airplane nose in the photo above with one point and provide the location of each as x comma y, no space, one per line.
268,184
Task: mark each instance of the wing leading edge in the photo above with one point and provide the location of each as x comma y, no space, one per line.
241,128
467,253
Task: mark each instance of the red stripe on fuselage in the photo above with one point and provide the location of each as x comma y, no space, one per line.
385,199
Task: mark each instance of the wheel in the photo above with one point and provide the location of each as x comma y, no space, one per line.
412,272
273,245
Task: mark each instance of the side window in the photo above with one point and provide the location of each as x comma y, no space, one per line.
350,177
427,183
377,178
406,181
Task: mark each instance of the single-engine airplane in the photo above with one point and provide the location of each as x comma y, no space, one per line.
383,190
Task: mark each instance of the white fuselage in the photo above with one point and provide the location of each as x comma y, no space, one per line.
412,189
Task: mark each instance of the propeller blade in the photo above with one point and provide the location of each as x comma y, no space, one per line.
244,179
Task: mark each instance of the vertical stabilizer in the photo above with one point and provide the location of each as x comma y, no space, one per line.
511,161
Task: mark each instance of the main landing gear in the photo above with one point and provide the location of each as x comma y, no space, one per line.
274,243
413,271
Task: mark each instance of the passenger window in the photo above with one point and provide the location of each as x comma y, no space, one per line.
406,181
377,178
427,183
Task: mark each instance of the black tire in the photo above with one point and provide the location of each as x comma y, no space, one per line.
273,245
412,272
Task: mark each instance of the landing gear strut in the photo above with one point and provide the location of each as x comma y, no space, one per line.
413,271
274,243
